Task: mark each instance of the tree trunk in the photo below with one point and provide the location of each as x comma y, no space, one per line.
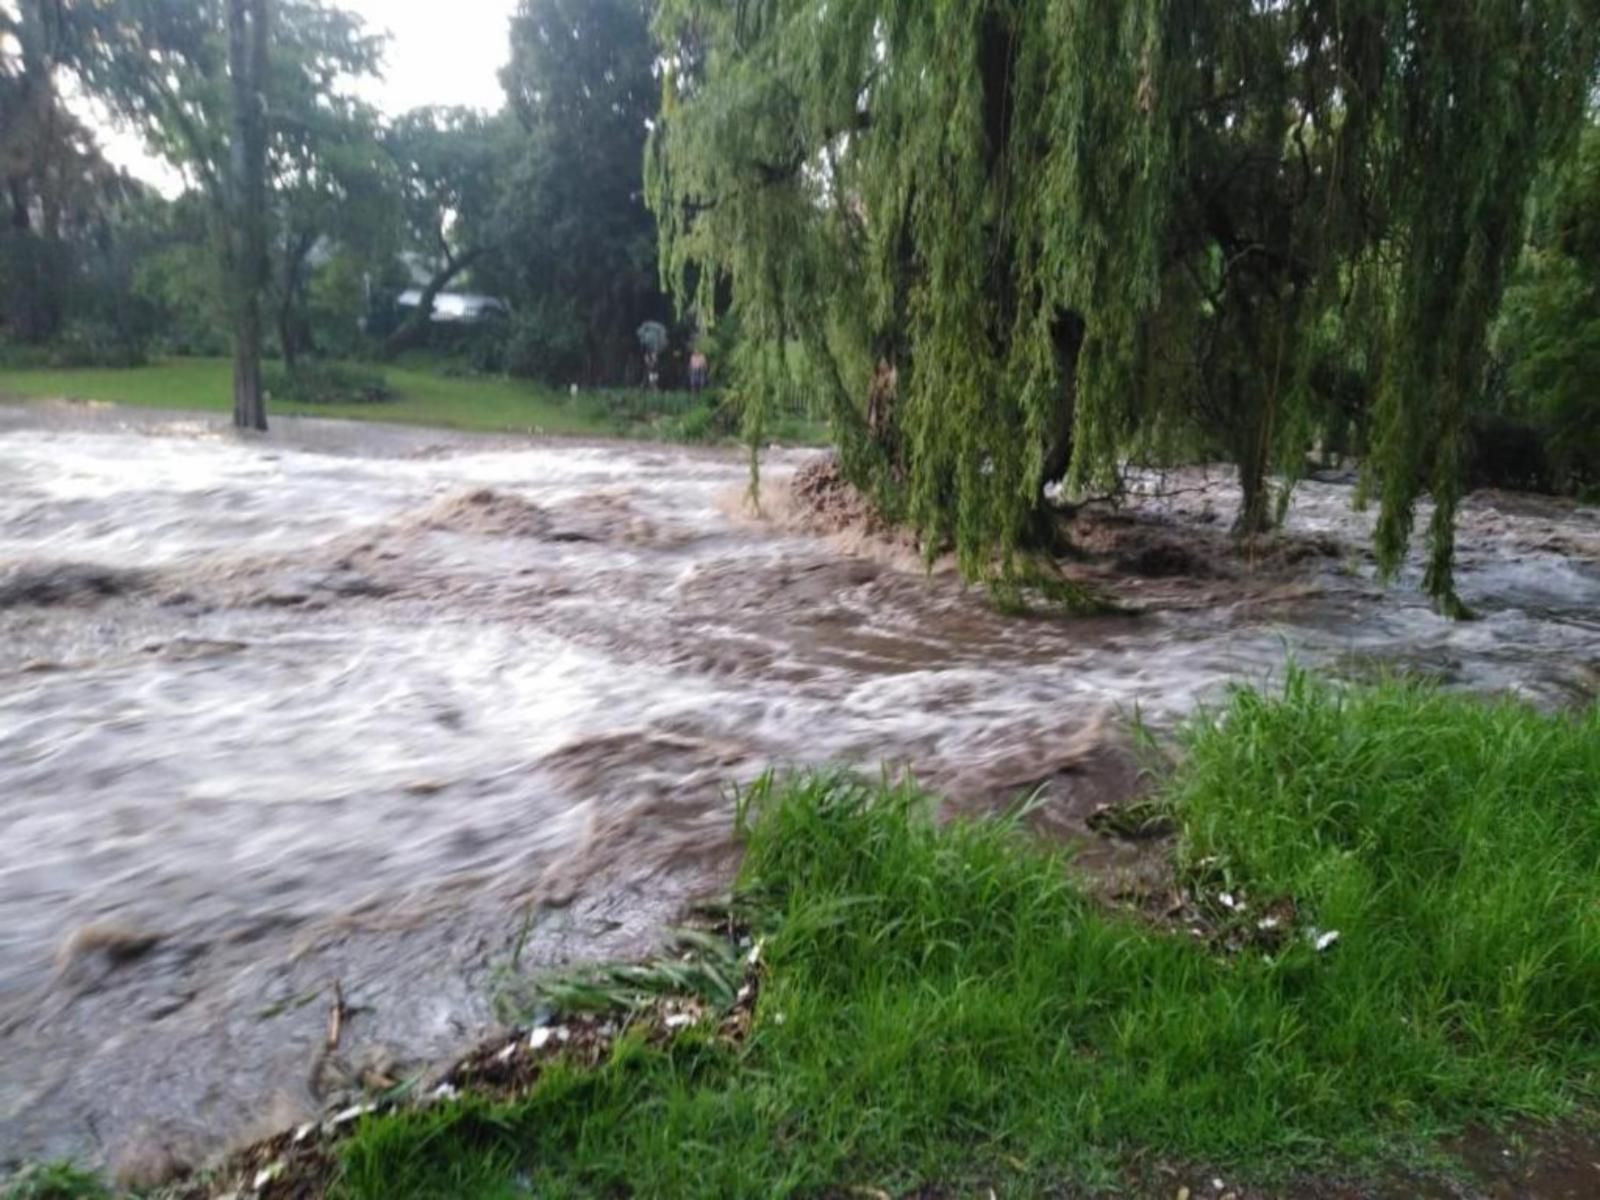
20,220
248,23
288,343
1067,334
289,322
1252,451
414,328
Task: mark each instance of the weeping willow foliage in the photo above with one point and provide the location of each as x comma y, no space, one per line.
1020,240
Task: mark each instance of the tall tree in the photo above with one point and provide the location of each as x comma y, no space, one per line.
1024,237
450,162
228,91
53,180
331,182
249,28
581,241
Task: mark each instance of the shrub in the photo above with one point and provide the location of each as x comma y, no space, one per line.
328,383
80,344
544,341
708,419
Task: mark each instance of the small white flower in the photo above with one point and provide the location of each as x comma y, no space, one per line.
1324,940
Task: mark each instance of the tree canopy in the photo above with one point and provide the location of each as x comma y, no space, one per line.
1021,240
54,184
1549,337
243,98
448,160
580,242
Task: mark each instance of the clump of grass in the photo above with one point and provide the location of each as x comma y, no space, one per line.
944,1005
706,968
54,1181
322,383
1453,844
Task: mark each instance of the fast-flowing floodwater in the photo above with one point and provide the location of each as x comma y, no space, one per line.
357,704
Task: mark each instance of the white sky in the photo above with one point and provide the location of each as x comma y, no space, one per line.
440,52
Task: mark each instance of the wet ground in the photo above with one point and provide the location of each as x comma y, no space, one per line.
352,703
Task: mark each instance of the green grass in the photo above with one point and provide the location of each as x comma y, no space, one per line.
944,1004
55,1181
424,395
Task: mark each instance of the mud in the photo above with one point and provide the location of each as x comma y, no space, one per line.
350,702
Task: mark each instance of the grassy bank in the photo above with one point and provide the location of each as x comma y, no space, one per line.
422,395
944,1006
1384,925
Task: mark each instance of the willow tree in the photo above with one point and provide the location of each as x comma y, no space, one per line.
1018,240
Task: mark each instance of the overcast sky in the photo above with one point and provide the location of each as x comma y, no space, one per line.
440,52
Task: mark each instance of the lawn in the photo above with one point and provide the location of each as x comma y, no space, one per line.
1394,931
423,395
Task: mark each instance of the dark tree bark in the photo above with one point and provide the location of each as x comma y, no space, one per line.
1067,334
1252,449
248,30
414,329
289,321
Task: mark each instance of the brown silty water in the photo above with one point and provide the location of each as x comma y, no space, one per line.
352,703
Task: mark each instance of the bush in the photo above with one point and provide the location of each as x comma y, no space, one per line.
545,342
80,344
83,344
327,383
707,420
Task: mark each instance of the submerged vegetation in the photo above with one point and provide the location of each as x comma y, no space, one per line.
1389,926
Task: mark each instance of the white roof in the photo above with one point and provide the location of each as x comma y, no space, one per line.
455,306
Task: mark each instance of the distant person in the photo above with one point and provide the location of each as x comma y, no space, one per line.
699,371
653,340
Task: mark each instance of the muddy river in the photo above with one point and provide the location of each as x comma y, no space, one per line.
358,703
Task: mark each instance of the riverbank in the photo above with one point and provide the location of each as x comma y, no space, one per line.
329,712
422,394
1379,931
